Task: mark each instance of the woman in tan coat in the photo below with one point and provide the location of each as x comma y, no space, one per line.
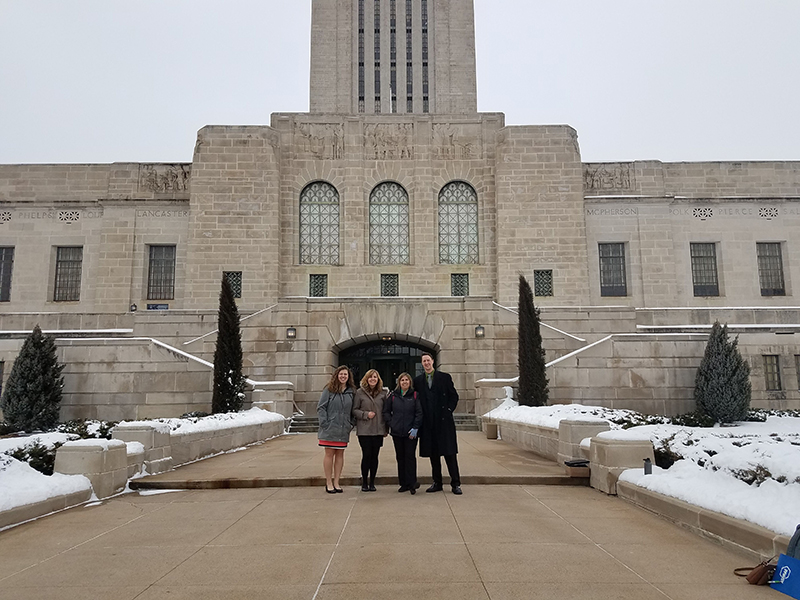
370,427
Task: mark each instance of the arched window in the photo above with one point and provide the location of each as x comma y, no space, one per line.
458,224
388,225
319,224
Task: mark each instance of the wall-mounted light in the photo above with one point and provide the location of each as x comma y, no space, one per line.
291,333
480,331
133,307
386,338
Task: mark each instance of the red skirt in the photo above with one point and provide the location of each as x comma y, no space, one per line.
338,445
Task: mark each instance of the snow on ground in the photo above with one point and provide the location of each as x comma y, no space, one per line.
749,471
20,484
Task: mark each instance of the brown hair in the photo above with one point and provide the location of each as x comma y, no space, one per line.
335,386
410,381
365,383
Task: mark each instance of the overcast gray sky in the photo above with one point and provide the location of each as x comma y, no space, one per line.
673,80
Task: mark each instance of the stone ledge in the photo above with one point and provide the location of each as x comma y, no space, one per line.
26,512
759,542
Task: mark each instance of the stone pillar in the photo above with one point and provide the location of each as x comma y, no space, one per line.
572,432
154,437
277,397
103,462
609,458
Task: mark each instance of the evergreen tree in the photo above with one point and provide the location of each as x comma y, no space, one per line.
722,386
533,389
32,397
229,382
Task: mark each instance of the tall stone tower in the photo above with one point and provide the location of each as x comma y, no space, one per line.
393,57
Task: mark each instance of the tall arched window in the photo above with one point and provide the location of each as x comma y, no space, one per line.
388,225
319,224
458,224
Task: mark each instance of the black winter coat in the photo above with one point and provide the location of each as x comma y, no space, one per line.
402,412
437,437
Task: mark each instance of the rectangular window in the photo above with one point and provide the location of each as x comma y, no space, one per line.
2,370
318,286
6,266
797,369
390,285
459,284
161,275
772,372
235,280
704,269
543,283
69,261
612,270
770,269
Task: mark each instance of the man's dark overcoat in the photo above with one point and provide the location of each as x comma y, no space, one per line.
437,436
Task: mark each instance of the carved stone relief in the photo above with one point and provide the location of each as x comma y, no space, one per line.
452,142
324,141
389,141
164,178
610,176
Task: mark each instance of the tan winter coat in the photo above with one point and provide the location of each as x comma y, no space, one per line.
363,403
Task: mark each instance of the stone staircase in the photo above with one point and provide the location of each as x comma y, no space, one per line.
310,424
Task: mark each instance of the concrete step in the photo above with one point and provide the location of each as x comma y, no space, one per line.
308,424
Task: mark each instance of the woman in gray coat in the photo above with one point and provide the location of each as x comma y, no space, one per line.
368,411
335,423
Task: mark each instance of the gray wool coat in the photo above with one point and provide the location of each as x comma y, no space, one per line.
364,404
335,411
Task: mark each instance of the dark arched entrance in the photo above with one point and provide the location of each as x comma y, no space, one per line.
388,358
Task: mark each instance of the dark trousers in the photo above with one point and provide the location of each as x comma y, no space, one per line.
370,447
405,449
452,469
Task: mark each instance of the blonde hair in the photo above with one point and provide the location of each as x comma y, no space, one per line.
365,383
410,381
335,386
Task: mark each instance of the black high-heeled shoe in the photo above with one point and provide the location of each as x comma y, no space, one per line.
333,491
338,490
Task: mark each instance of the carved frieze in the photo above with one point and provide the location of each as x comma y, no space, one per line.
324,141
164,178
451,141
392,141
608,177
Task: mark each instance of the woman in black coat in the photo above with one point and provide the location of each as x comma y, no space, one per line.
403,413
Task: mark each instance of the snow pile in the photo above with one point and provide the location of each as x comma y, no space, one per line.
20,484
254,416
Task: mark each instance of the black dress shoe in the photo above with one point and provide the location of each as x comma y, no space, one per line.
333,491
436,487
365,488
372,488
413,490
416,485
457,490
338,490
403,488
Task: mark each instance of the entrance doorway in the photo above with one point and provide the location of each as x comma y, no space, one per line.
389,359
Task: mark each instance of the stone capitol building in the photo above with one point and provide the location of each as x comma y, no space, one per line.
394,218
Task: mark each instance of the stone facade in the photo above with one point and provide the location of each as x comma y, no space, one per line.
539,211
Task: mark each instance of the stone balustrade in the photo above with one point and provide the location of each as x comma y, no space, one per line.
103,462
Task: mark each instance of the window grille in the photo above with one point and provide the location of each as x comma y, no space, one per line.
409,60
393,53
425,86
390,285
458,224
704,269
6,267
459,284
388,225
319,224
69,261
772,372
770,269
161,274
377,24
361,86
612,270
318,286
235,280
543,283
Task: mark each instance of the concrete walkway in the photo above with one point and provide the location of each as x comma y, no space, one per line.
496,542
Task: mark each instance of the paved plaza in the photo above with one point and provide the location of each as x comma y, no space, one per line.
498,541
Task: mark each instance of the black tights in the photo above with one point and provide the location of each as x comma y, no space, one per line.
370,447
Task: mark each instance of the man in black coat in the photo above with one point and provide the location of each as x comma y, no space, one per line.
437,436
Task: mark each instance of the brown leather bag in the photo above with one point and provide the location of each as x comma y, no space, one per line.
761,574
